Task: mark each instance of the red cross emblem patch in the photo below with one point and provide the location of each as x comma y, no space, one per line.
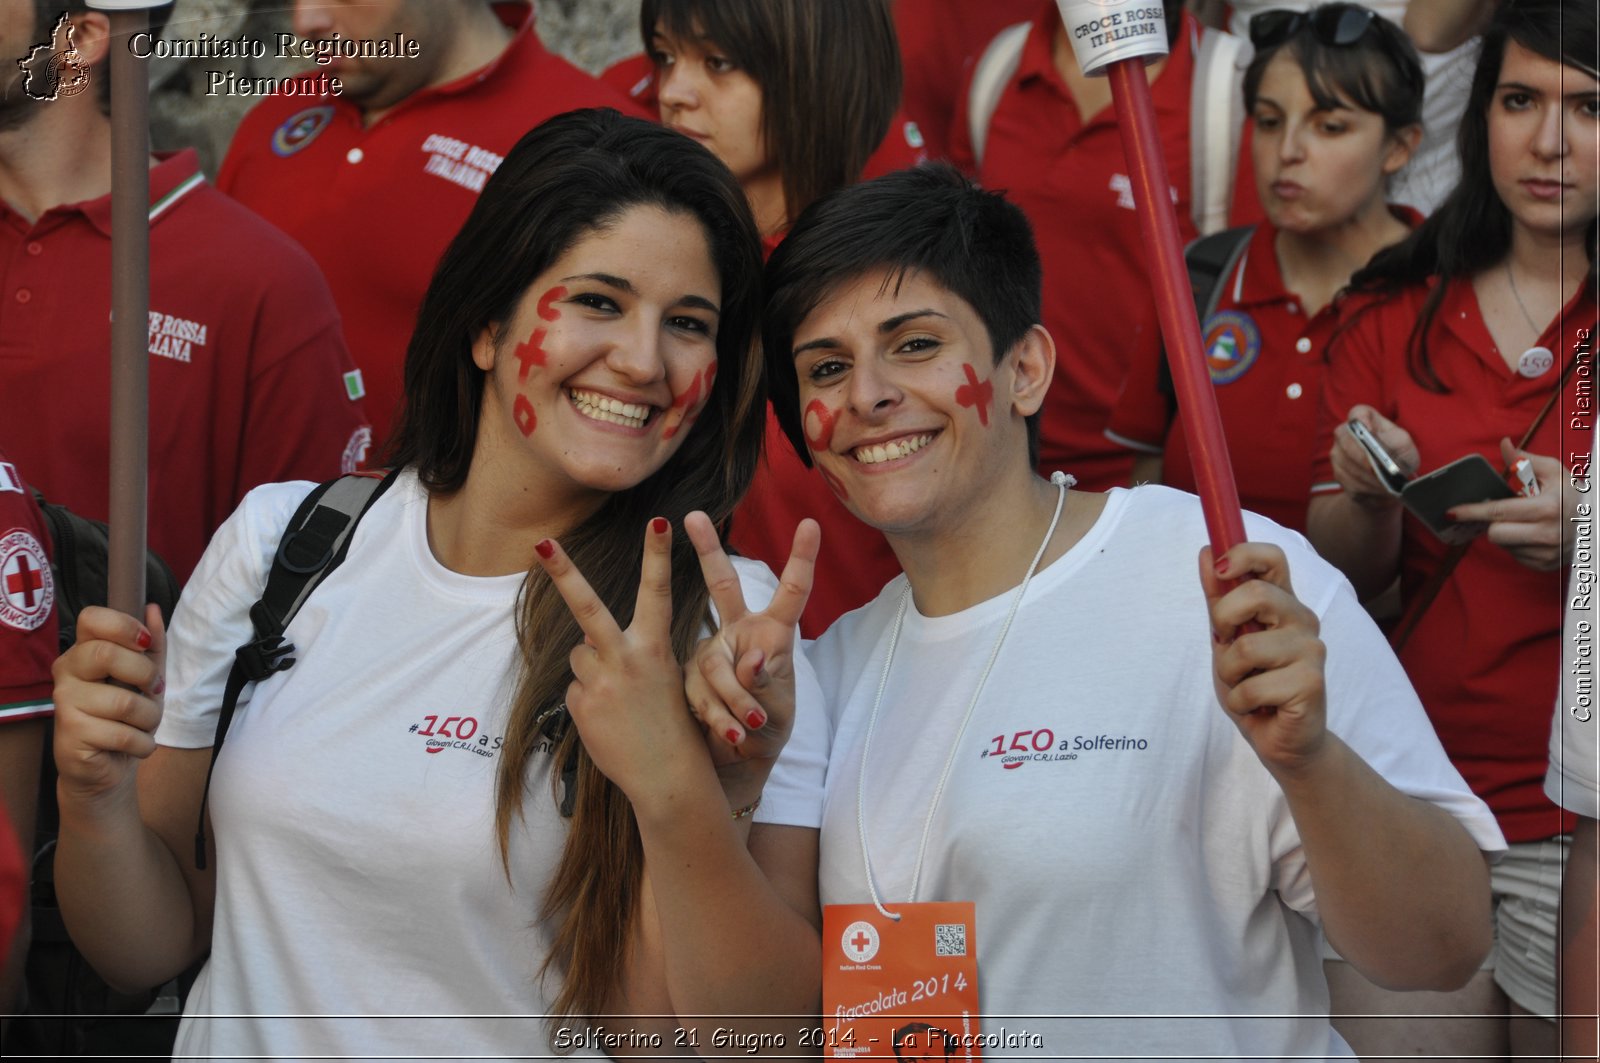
27,590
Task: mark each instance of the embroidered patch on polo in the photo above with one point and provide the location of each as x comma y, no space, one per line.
300,129
1232,345
27,589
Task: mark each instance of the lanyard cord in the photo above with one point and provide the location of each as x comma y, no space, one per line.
1062,482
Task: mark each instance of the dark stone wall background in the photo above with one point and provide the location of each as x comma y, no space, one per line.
590,33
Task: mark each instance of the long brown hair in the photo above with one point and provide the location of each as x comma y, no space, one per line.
565,179
1471,230
829,72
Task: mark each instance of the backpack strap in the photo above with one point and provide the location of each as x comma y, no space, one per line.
313,545
1216,125
1211,260
990,75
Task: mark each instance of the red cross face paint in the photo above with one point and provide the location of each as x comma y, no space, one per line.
522,411
686,407
976,394
545,310
608,349
901,405
818,425
531,353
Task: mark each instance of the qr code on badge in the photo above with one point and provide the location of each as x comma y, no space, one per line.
949,939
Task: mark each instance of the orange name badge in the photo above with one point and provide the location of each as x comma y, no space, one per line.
911,983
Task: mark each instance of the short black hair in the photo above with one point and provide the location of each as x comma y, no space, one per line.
928,219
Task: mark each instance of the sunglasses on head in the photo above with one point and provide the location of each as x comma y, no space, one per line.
1334,25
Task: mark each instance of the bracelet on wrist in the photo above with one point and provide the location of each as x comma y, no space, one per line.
740,813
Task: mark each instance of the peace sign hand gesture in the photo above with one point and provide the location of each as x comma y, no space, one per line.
740,684
626,697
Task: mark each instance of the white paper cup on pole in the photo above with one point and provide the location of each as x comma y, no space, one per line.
1103,32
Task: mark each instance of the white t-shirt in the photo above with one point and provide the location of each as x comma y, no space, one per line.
358,873
1127,852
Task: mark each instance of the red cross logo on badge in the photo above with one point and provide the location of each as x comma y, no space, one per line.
27,590
860,941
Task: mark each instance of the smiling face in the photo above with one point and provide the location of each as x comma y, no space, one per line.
1544,126
905,412
705,95
1317,168
607,361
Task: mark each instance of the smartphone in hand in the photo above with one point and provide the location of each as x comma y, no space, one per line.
1431,496
1383,464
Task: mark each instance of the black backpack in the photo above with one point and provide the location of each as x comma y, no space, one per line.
1210,260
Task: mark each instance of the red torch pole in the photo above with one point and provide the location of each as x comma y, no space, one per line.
1158,225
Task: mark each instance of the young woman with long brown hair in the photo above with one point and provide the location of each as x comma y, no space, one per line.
1476,337
389,816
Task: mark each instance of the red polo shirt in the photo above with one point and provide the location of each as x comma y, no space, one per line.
1266,361
1486,657
27,648
27,604
248,374
1071,179
375,206
939,42
902,146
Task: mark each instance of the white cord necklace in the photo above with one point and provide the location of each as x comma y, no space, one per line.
1062,482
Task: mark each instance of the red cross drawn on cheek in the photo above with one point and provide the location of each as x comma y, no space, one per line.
545,310
522,411
976,394
684,409
530,353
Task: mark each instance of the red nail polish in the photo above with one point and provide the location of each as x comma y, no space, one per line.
143,639
1222,567
1450,514
732,736
546,548
158,686
755,720
659,525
